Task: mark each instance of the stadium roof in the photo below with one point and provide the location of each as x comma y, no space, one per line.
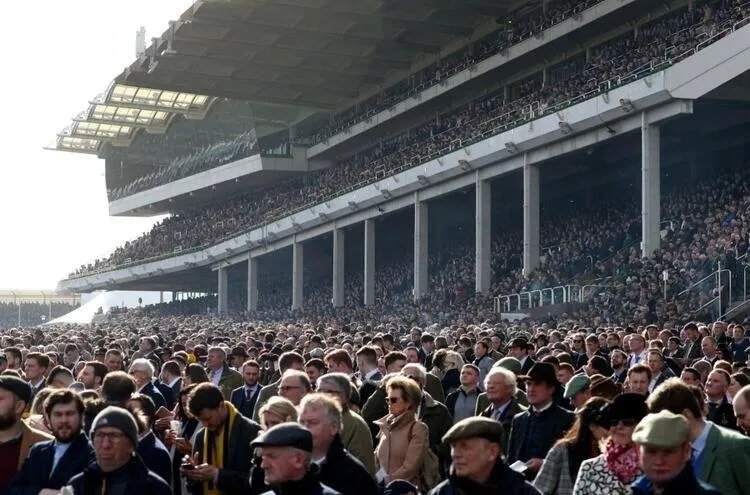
312,55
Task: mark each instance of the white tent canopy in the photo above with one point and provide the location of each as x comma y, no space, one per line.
91,303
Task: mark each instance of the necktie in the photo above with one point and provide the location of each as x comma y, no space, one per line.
248,393
696,462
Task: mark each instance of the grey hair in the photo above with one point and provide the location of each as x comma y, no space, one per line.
421,372
340,381
325,403
304,380
508,377
218,350
150,370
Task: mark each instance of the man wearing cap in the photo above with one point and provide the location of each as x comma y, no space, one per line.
664,441
238,356
221,459
533,432
477,466
117,469
519,349
578,390
16,437
285,452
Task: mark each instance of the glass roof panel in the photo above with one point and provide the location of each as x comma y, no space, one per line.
78,144
160,98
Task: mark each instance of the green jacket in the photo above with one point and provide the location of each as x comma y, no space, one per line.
725,461
357,440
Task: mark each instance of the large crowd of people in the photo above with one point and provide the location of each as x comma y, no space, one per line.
203,404
31,314
607,64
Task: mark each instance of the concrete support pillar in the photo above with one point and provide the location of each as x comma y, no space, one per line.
338,268
252,283
421,217
223,290
297,273
483,235
650,187
544,76
530,217
369,262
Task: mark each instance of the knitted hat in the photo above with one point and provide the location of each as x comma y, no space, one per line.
119,418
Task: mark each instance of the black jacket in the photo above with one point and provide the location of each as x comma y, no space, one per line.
233,477
722,414
559,419
244,406
502,480
155,395
133,478
167,393
156,456
344,473
684,484
309,485
36,472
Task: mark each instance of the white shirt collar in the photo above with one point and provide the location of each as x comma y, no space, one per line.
544,408
173,382
371,373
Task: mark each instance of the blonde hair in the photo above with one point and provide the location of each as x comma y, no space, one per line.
453,357
279,406
409,388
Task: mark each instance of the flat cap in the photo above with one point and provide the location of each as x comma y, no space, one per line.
286,435
476,427
509,363
578,383
19,387
663,429
239,351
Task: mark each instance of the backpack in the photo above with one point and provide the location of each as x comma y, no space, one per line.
429,471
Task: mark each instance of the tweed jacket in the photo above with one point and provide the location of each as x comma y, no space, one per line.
554,476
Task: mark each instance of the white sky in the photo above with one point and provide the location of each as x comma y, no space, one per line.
57,57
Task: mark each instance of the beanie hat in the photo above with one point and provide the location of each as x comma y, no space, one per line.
119,418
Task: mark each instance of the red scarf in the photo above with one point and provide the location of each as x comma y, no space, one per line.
623,461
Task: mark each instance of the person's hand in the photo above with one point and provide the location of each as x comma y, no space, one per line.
169,438
163,423
202,472
183,446
534,464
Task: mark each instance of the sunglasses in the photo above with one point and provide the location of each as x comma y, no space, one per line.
394,400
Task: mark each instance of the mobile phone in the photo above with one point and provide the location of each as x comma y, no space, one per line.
187,466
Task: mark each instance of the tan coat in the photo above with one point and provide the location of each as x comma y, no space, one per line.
402,447
29,436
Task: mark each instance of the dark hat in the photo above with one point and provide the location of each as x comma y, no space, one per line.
542,372
604,387
625,406
100,351
119,418
476,427
509,363
286,435
239,351
520,343
19,387
400,487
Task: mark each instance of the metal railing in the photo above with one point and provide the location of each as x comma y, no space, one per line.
520,301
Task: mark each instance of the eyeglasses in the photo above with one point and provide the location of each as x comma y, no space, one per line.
287,388
394,400
114,437
330,392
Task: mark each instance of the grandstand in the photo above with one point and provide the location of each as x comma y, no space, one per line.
33,307
465,159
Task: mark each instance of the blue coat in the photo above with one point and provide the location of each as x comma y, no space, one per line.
36,472
155,395
156,456
244,406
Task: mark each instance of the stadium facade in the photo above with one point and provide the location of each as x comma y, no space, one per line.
299,87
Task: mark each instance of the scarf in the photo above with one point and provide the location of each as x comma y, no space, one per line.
216,447
623,461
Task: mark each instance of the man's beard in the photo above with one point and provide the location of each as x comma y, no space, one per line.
7,421
65,437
